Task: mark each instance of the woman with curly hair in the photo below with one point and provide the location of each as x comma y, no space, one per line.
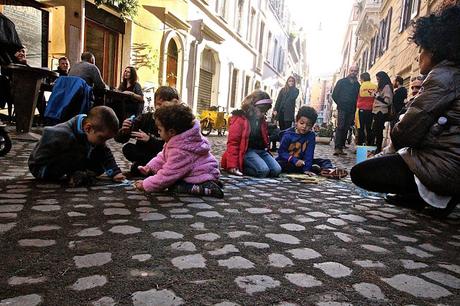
426,167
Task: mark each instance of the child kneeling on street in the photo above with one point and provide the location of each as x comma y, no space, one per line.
185,165
297,148
76,150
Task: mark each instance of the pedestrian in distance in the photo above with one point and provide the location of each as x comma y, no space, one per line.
399,96
76,151
381,108
248,139
297,148
143,129
186,164
284,110
364,105
345,95
425,168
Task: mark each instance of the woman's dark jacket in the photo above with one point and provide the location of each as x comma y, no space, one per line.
285,104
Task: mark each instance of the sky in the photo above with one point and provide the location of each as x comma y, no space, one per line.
325,22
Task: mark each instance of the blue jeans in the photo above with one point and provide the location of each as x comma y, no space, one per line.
260,163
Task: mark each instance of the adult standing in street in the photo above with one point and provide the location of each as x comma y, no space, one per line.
364,104
382,104
285,104
400,95
345,95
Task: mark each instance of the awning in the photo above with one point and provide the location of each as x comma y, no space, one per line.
167,17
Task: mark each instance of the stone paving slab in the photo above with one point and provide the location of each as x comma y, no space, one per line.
268,242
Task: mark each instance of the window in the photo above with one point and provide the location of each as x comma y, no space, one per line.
252,19
388,29
409,10
246,85
233,91
275,50
239,16
365,60
269,41
414,8
261,37
280,60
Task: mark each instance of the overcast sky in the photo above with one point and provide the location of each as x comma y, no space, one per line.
325,23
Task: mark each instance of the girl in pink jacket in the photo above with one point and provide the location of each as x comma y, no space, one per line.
185,165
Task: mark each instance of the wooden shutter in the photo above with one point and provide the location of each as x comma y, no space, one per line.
204,90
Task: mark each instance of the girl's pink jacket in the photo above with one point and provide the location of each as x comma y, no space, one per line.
185,156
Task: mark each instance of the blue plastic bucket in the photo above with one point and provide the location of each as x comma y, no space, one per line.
362,152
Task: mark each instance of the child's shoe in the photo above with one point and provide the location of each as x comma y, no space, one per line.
212,189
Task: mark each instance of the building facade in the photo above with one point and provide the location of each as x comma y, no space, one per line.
214,52
382,36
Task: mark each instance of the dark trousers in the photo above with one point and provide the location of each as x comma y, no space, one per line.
284,125
139,154
378,124
66,164
386,174
323,163
365,127
344,121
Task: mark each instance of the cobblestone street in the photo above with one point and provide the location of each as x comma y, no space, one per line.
268,242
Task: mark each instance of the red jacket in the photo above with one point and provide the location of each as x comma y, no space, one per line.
238,140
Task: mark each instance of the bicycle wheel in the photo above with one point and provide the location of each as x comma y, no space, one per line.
206,127
5,143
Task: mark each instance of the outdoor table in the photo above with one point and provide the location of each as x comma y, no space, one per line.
122,103
25,86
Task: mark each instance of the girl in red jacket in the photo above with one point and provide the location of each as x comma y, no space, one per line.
247,144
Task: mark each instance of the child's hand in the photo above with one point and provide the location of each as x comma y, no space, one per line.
119,177
234,171
308,173
300,163
141,136
138,185
144,170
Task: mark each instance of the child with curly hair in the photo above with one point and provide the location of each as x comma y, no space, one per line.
185,165
297,148
248,140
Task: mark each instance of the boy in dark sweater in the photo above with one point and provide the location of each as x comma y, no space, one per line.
297,148
143,129
76,149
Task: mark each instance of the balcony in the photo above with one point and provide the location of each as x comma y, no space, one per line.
368,19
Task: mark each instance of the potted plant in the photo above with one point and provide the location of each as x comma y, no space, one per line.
325,134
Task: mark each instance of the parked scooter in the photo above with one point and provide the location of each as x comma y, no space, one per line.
5,141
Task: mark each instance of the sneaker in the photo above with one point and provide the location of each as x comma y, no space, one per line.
210,188
315,169
339,152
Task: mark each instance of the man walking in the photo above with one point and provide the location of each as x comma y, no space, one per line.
345,95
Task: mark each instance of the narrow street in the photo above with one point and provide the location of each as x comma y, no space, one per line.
268,242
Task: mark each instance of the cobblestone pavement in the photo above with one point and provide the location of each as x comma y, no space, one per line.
269,242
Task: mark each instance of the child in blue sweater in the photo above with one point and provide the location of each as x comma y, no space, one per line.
297,149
